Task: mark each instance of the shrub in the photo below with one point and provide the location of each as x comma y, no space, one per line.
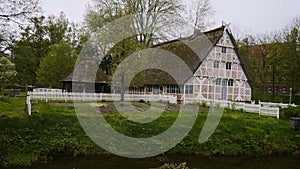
174,166
141,101
291,112
203,104
4,99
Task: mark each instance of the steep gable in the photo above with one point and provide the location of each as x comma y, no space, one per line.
230,55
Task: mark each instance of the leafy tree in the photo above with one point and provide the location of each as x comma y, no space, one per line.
33,45
292,53
7,72
263,58
36,41
150,19
57,64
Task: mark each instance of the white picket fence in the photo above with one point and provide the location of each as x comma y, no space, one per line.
263,108
98,97
247,107
94,97
282,105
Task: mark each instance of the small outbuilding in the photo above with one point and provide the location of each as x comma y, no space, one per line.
86,84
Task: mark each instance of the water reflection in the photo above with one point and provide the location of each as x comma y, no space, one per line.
194,162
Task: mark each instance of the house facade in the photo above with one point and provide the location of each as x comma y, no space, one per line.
217,71
218,75
221,74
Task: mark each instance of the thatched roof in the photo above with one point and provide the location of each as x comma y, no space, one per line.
192,50
85,72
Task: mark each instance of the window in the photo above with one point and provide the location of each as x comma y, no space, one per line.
149,89
153,89
224,49
173,89
224,82
228,65
218,82
189,89
216,64
230,82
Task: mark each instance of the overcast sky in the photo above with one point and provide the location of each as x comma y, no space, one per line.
257,16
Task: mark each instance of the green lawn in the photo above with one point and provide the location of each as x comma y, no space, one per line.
13,107
54,130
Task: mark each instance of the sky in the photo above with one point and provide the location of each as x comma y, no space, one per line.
253,16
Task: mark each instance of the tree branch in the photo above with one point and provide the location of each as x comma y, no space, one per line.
13,15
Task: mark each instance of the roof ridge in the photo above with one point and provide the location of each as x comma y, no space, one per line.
191,37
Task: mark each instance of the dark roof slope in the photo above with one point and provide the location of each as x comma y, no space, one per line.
192,50
84,73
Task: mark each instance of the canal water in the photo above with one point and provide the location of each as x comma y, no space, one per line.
193,162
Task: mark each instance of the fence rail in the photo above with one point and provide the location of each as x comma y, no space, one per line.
269,104
260,109
98,97
263,108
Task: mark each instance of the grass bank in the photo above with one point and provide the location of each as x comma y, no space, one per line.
53,130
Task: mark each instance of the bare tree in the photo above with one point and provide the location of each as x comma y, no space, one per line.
203,15
14,13
198,14
152,19
18,11
155,20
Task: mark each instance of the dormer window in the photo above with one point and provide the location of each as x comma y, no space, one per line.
224,49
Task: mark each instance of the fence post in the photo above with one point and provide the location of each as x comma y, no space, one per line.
28,104
259,109
65,95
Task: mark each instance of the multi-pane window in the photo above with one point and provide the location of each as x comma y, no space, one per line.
224,82
218,81
189,89
154,89
230,82
224,49
216,64
228,65
150,89
173,89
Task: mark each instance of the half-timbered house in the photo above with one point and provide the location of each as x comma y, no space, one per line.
219,74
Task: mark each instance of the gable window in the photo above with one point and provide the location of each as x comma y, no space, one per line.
224,49
218,81
216,64
224,82
228,65
230,82
189,89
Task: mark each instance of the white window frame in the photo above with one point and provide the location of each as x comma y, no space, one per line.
189,89
216,64
229,66
224,49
